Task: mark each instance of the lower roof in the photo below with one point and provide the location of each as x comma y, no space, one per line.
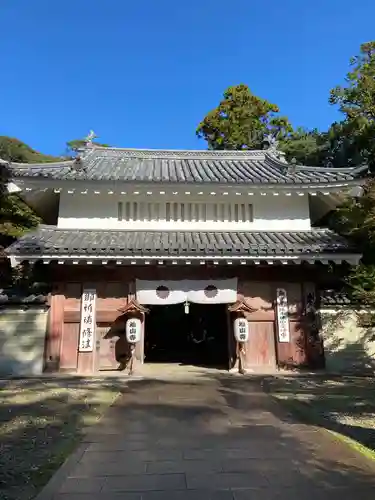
49,242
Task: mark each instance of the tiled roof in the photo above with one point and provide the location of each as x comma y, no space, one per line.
48,240
7,297
202,167
334,298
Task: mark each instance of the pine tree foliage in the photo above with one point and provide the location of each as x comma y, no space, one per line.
356,143
355,219
355,137
241,121
77,144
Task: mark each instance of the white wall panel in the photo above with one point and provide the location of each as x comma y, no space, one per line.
257,213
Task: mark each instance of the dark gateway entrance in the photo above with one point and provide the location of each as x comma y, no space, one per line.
198,338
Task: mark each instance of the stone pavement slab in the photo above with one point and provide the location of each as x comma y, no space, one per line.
216,438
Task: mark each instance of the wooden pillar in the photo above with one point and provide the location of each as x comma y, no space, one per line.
232,348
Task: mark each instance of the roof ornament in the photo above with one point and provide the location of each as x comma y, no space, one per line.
292,166
83,150
89,138
271,146
271,142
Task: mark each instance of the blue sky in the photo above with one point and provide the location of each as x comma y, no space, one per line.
143,73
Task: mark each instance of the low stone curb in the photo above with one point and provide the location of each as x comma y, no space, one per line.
64,471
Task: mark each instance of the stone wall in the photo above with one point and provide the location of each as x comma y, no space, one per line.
348,347
22,340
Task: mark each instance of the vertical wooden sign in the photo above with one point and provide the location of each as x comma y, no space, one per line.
87,326
282,315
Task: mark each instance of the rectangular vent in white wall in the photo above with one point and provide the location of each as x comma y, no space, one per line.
184,212
266,213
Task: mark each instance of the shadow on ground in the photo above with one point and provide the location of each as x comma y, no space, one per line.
344,404
225,433
211,432
41,422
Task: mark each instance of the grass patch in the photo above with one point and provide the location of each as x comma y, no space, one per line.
41,423
355,445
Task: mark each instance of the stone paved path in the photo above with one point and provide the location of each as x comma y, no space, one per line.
217,437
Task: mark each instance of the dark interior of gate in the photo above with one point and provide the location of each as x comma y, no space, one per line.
198,338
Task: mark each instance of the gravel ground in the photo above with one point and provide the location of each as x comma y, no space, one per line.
41,422
345,404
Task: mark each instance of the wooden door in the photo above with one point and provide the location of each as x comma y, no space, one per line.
69,347
107,348
260,348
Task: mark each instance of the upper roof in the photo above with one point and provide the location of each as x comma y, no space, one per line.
174,166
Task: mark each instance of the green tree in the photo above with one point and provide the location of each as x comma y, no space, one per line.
353,143
15,218
306,147
77,144
355,219
12,149
355,135
15,215
241,121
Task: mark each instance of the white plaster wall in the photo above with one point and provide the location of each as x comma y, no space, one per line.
100,211
22,337
286,213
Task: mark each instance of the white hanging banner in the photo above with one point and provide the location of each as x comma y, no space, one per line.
212,291
160,292
87,326
282,315
178,292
